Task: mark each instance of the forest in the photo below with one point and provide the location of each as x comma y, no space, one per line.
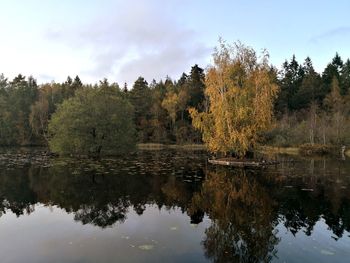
307,107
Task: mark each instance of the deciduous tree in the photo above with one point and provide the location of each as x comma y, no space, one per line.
241,92
94,122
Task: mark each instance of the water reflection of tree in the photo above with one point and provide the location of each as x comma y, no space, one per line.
243,218
241,205
102,216
101,195
15,195
94,198
317,189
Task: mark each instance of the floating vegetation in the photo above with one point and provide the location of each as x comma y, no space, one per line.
307,189
146,247
327,252
20,159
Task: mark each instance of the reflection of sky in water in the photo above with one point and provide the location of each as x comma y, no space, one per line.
318,247
49,234
53,236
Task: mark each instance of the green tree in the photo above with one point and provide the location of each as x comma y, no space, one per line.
159,118
332,71
309,90
345,78
6,122
21,94
196,85
39,117
141,99
7,125
76,84
95,122
3,84
290,80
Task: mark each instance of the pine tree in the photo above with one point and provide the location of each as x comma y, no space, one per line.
141,99
332,71
76,84
196,85
290,80
309,90
345,78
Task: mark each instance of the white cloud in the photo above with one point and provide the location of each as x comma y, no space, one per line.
133,40
342,31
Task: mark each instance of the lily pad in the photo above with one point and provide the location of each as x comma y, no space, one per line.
327,252
146,247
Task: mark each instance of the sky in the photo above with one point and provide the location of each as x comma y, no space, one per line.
122,40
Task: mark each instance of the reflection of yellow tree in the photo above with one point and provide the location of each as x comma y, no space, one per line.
175,192
243,218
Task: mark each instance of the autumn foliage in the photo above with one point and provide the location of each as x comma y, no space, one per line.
241,90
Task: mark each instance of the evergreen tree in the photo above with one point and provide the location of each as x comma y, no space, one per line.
183,80
332,71
309,90
22,94
290,80
7,125
69,81
76,84
345,78
196,84
140,98
125,88
3,84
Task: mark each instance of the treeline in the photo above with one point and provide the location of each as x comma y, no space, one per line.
310,107
25,108
159,109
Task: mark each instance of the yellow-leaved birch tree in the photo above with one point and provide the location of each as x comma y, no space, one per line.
241,90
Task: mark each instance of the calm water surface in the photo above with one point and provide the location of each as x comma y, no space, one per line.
168,206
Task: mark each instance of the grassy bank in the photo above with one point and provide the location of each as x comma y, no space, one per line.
278,150
159,146
304,149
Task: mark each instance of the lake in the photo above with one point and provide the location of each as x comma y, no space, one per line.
171,206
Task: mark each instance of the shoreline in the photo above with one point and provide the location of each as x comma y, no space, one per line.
160,146
263,149
278,150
